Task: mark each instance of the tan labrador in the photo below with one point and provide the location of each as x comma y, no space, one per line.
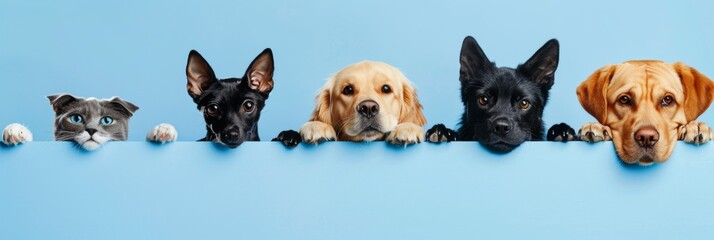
366,101
644,107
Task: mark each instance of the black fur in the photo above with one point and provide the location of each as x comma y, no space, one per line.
503,107
231,107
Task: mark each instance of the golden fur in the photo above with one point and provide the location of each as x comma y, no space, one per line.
646,84
400,118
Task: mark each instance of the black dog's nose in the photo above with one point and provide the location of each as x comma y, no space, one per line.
368,108
501,126
91,131
231,136
646,137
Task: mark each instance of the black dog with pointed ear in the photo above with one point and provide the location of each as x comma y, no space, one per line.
503,107
231,106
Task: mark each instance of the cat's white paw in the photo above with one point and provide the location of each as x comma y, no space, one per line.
162,133
15,134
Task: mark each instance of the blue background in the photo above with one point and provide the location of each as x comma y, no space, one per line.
137,50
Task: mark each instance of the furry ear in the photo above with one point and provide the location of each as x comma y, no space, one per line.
592,92
474,62
324,101
411,107
698,90
125,107
259,75
60,100
199,74
541,67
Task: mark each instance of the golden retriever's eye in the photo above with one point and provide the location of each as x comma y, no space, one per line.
386,89
624,100
667,101
523,104
248,106
348,90
483,100
213,110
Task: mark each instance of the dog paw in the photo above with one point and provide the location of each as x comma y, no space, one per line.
595,132
15,134
315,132
289,138
561,132
695,132
162,133
440,133
406,134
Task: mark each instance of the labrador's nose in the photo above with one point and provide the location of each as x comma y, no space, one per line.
646,137
368,108
501,126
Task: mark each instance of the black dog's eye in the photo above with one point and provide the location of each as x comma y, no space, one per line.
348,90
386,89
248,106
523,104
483,100
624,100
213,110
667,101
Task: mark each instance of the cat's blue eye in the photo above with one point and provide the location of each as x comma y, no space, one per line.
76,119
106,120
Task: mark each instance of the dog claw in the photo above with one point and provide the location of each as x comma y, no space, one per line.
561,132
440,133
289,138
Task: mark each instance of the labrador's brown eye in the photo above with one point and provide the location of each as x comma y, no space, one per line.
667,101
248,106
386,89
483,100
348,90
213,110
624,100
523,104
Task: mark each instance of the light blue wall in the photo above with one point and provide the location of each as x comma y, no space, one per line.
137,190
138,49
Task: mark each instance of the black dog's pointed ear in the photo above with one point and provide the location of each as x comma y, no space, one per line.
473,61
259,75
199,74
123,106
59,100
541,67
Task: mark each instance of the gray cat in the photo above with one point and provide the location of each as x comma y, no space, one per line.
91,122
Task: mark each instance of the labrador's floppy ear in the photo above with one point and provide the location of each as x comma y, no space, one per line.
411,107
698,90
60,100
259,75
592,92
199,74
324,101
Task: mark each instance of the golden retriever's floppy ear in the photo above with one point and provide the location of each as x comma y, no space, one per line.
698,90
324,99
411,108
592,92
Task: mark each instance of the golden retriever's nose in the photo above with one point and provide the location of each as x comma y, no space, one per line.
646,137
368,108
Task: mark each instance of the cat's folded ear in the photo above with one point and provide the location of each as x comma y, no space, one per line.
60,100
123,106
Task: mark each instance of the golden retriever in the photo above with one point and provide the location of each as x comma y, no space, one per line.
366,101
644,107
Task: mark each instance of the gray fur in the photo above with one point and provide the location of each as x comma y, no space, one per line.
91,111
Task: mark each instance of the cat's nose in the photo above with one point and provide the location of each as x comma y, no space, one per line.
91,131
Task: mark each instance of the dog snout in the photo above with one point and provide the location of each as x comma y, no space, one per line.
501,126
647,137
231,136
368,108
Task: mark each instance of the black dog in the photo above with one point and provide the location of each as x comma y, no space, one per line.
231,106
503,106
